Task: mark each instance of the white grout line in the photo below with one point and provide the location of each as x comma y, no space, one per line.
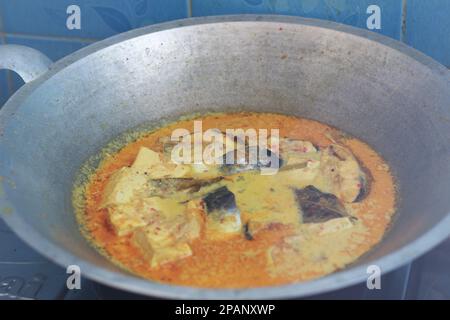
403,21
189,8
51,38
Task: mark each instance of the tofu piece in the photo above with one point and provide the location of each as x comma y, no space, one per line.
122,187
332,226
124,219
151,164
171,254
219,228
145,159
161,255
166,214
161,244
158,235
166,238
196,217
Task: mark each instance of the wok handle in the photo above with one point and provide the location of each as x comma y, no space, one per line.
27,62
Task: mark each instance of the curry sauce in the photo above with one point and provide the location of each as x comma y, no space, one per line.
330,202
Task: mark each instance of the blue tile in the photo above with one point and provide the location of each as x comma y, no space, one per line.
352,12
428,28
55,49
99,18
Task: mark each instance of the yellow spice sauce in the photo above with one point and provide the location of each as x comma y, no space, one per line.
236,262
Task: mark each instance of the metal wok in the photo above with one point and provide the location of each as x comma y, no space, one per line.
375,88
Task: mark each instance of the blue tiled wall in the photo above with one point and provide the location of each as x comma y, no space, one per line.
352,12
428,28
423,24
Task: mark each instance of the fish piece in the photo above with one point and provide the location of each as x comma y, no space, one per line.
223,216
300,174
295,151
288,145
249,161
221,200
168,145
364,185
169,186
341,174
247,233
301,162
252,227
203,170
317,206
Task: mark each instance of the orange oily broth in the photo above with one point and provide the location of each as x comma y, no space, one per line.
237,262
